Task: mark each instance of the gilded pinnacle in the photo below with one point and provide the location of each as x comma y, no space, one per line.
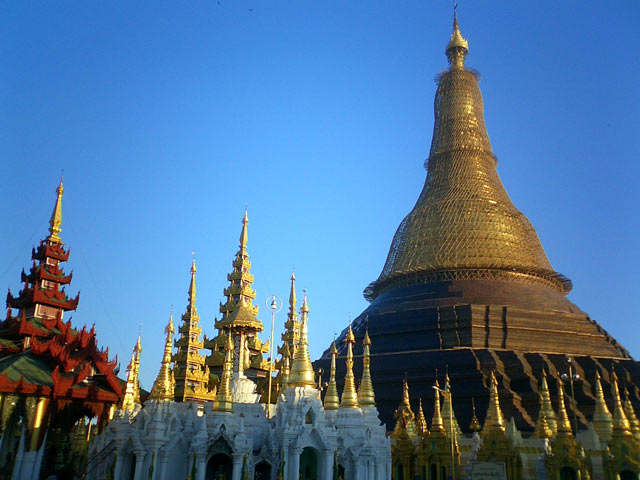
564,426
474,426
621,425
421,422
223,401
366,396
349,395
164,385
132,388
542,426
331,399
602,418
549,413
458,46
437,423
302,374
631,416
55,222
494,421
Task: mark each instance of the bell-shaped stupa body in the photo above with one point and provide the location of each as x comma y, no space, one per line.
467,285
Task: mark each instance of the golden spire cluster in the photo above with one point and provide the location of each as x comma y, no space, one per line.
621,425
164,386
132,388
549,413
405,418
302,374
55,223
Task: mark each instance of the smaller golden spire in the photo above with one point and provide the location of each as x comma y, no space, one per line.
164,386
495,419
349,395
224,401
549,413
191,307
602,418
243,233
446,416
421,422
55,222
405,419
302,374
331,399
621,425
474,426
437,423
458,47
542,426
631,415
366,396
564,425
132,388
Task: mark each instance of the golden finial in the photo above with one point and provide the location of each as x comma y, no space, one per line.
458,47
564,425
549,413
437,423
602,418
55,222
243,233
495,419
331,399
191,307
292,295
421,422
474,426
366,396
164,386
621,426
405,419
132,388
542,426
631,415
223,401
349,395
302,374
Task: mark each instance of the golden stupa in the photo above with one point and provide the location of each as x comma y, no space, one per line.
467,285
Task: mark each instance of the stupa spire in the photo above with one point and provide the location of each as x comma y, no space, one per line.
542,425
55,223
458,47
302,374
437,423
164,385
366,396
564,425
132,388
421,421
223,400
631,416
474,426
405,418
495,419
191,307
349,395
549,413
446,416
621,425
602,418
331,399
291,334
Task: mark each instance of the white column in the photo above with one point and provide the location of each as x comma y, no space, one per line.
358,469
139,465
202,466
117,471
328,465
371,469
162,468
237,467
294,463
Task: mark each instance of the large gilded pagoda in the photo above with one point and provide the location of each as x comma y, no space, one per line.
239,319
467,285
52,375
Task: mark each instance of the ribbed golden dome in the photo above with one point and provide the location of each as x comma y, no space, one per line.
464,225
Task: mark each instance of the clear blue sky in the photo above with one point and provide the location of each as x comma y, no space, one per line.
168,117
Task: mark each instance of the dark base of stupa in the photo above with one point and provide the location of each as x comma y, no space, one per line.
421,329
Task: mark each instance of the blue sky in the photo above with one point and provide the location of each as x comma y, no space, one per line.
169,117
